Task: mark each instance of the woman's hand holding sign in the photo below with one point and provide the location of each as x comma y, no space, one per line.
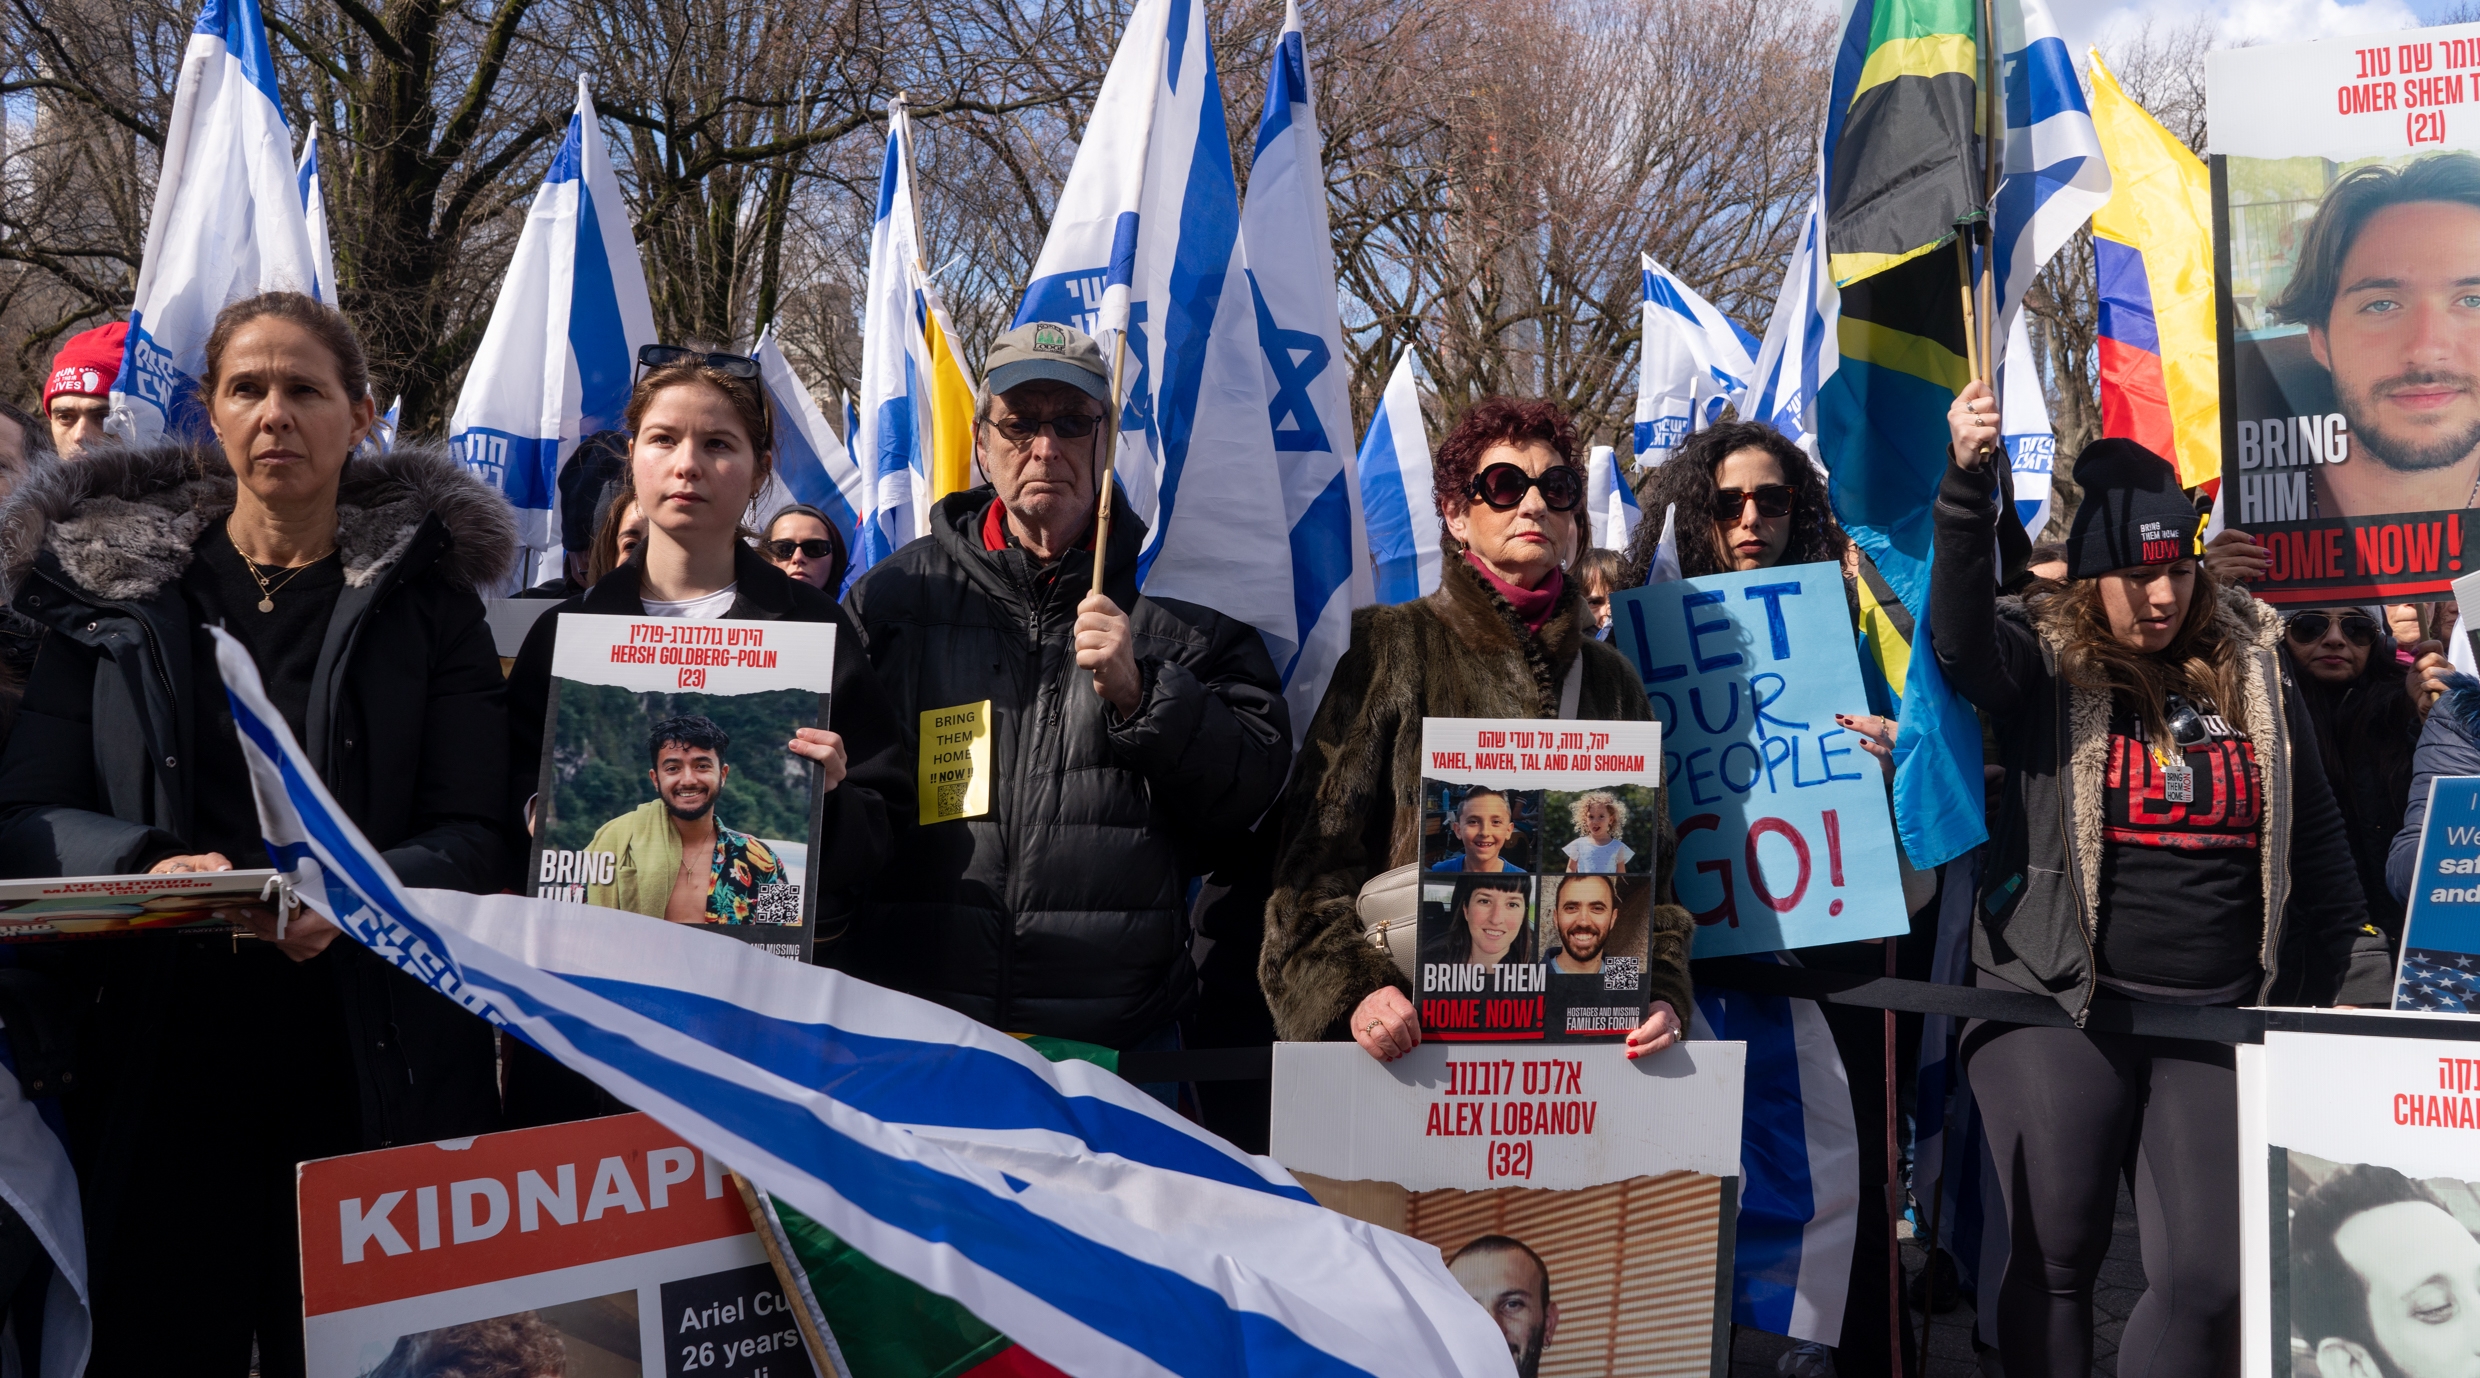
1660,1030
1385,1025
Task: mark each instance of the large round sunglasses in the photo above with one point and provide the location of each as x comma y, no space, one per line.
2308,628
1503,487
1772,500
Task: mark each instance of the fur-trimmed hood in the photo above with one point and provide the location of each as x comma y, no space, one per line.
121,522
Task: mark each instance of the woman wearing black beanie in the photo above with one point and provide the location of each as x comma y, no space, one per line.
2167,835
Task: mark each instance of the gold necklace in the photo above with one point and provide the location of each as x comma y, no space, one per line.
266,590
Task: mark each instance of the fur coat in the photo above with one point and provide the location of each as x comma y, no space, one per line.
1352,810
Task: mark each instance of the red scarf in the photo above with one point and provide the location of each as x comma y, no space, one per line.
1533,605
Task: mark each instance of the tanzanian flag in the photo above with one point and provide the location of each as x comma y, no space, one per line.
1902,156
1902,163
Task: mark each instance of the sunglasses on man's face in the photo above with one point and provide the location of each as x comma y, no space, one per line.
1022,429
1503,487
1772,500
785,550
2309,628
729,365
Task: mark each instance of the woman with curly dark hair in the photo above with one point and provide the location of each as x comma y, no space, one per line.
1507,635
1764,502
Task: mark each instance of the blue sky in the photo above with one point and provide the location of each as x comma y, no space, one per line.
2239,21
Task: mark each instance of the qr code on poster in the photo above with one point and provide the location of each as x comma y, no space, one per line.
778,903
1621,973
951,798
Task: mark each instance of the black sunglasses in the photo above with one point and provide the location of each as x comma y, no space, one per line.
1772,499
2308,628
816,550
739,366
1503,487
2186,724
1022,429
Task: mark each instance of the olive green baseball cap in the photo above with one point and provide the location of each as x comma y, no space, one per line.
1047,350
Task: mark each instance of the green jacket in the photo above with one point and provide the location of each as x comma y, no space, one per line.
648,858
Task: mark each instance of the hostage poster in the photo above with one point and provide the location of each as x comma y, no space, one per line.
1538,841
665,787
1784,836
2359,1175
610,1243
2346,203
1584,1200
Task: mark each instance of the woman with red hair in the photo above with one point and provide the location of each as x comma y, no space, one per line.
1507,635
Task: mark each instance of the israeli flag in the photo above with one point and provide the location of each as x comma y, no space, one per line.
2055,176
227,223
2024,430
1694,360
812,462
915,402
1799,1205
560,351
314,213
1309,400
1397,492
382,437
1054,1201
1610,501
1145,254
1800,351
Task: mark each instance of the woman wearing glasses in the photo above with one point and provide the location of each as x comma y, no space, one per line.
801,542
701,446
1744,497
2164,839
1507,635
2367,709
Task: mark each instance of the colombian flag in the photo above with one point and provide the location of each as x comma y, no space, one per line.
2153,261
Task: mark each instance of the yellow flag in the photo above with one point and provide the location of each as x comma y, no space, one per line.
2153,261
951,403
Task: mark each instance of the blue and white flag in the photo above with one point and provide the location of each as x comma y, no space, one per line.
2055,176
916,397
1054,1201
1799,1205
1693,361
1309,398
814,464
226,224
1800,351
2024,430
1145,254
1609,500
314,214
1397,494
560,351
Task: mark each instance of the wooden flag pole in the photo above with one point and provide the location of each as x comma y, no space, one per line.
1971,324
1110,460
824,1354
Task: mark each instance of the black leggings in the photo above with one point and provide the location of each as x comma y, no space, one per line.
2066,1110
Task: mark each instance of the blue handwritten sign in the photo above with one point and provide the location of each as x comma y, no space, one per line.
1784,839
2440,967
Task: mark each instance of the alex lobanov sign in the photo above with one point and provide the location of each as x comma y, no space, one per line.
1784,837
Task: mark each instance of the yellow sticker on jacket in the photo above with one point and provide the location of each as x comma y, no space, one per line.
954,780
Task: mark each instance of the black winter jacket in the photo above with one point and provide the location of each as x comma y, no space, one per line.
2038,927
404,715
1061,911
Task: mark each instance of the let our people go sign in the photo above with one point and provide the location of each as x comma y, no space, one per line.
1784,838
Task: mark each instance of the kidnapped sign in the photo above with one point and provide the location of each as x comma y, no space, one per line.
1784,839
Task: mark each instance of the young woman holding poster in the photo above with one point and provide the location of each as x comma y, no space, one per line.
2167,835
212,1066
1503,637
701,447
1746,498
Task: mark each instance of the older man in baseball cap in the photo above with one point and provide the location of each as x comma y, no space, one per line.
77,394
1084,751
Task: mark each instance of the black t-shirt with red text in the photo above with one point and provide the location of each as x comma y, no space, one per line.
2182,895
